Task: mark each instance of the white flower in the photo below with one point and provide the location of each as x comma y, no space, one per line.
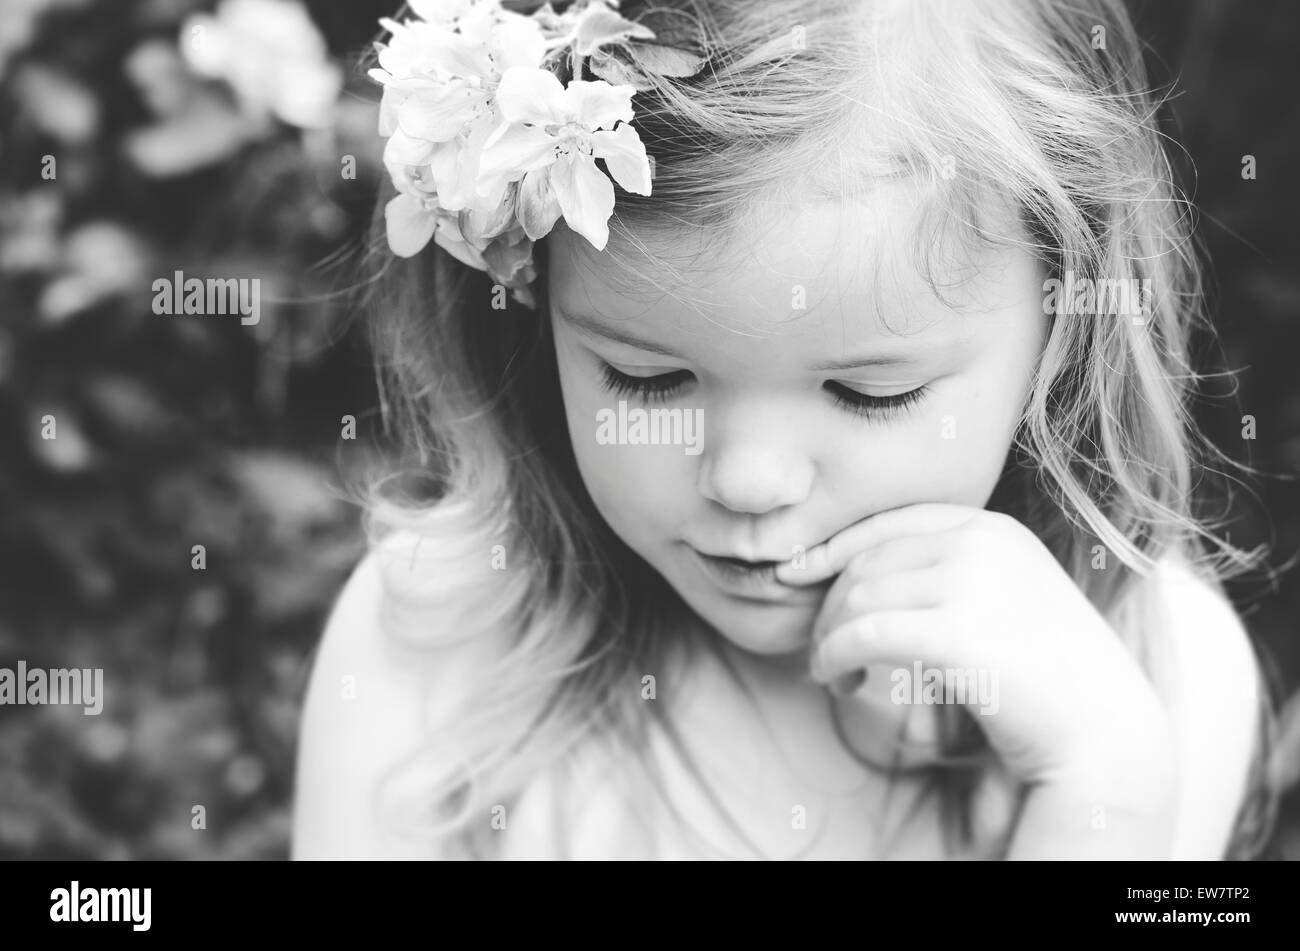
441,11
460,57
550,140
439,74
271,55
486,147
419,50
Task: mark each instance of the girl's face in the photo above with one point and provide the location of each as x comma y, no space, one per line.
814,379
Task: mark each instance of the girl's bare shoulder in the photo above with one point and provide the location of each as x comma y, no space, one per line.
1214,701
1210,643
368,704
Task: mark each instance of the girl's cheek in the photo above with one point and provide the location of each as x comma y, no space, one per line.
642,477
968,450
641,499
942,457
622,475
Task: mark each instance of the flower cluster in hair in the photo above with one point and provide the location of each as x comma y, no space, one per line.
493,134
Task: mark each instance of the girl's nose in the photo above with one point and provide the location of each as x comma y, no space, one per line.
754,478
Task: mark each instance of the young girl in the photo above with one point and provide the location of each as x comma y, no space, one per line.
907,564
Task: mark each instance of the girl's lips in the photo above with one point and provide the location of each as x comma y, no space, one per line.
754,580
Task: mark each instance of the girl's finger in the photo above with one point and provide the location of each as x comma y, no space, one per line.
897,637
831,556
875,566
851,598
885,555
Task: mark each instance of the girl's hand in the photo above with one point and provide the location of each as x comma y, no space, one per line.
965,589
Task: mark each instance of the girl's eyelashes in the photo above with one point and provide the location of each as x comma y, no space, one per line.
863,404
648,389
660,387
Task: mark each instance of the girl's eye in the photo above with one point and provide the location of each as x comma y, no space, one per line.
648,389
884,407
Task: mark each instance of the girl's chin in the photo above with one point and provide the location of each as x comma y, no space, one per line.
765,629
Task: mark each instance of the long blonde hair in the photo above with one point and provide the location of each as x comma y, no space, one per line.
1041,103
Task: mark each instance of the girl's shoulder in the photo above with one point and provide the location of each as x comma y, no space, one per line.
367,705
1215,698
1206,638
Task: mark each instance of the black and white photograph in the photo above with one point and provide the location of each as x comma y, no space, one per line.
657,430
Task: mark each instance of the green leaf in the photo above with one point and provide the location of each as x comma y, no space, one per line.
614,70
600,27
665,60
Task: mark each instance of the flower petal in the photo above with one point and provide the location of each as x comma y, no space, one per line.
624,155
401,149
507,255
524,294
597,104
538,206
409,225
427,49
477,23
530,95
512,152
493,218
438,114
447,169
413,180
517,41
449,238
439,11
586,195
392,98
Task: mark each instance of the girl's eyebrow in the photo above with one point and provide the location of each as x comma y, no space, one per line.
594,327
854,363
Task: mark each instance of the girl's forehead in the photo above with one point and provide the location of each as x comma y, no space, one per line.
879,260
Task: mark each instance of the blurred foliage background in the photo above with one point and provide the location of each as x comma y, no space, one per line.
215,140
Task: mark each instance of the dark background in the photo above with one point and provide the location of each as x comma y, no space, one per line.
178,431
